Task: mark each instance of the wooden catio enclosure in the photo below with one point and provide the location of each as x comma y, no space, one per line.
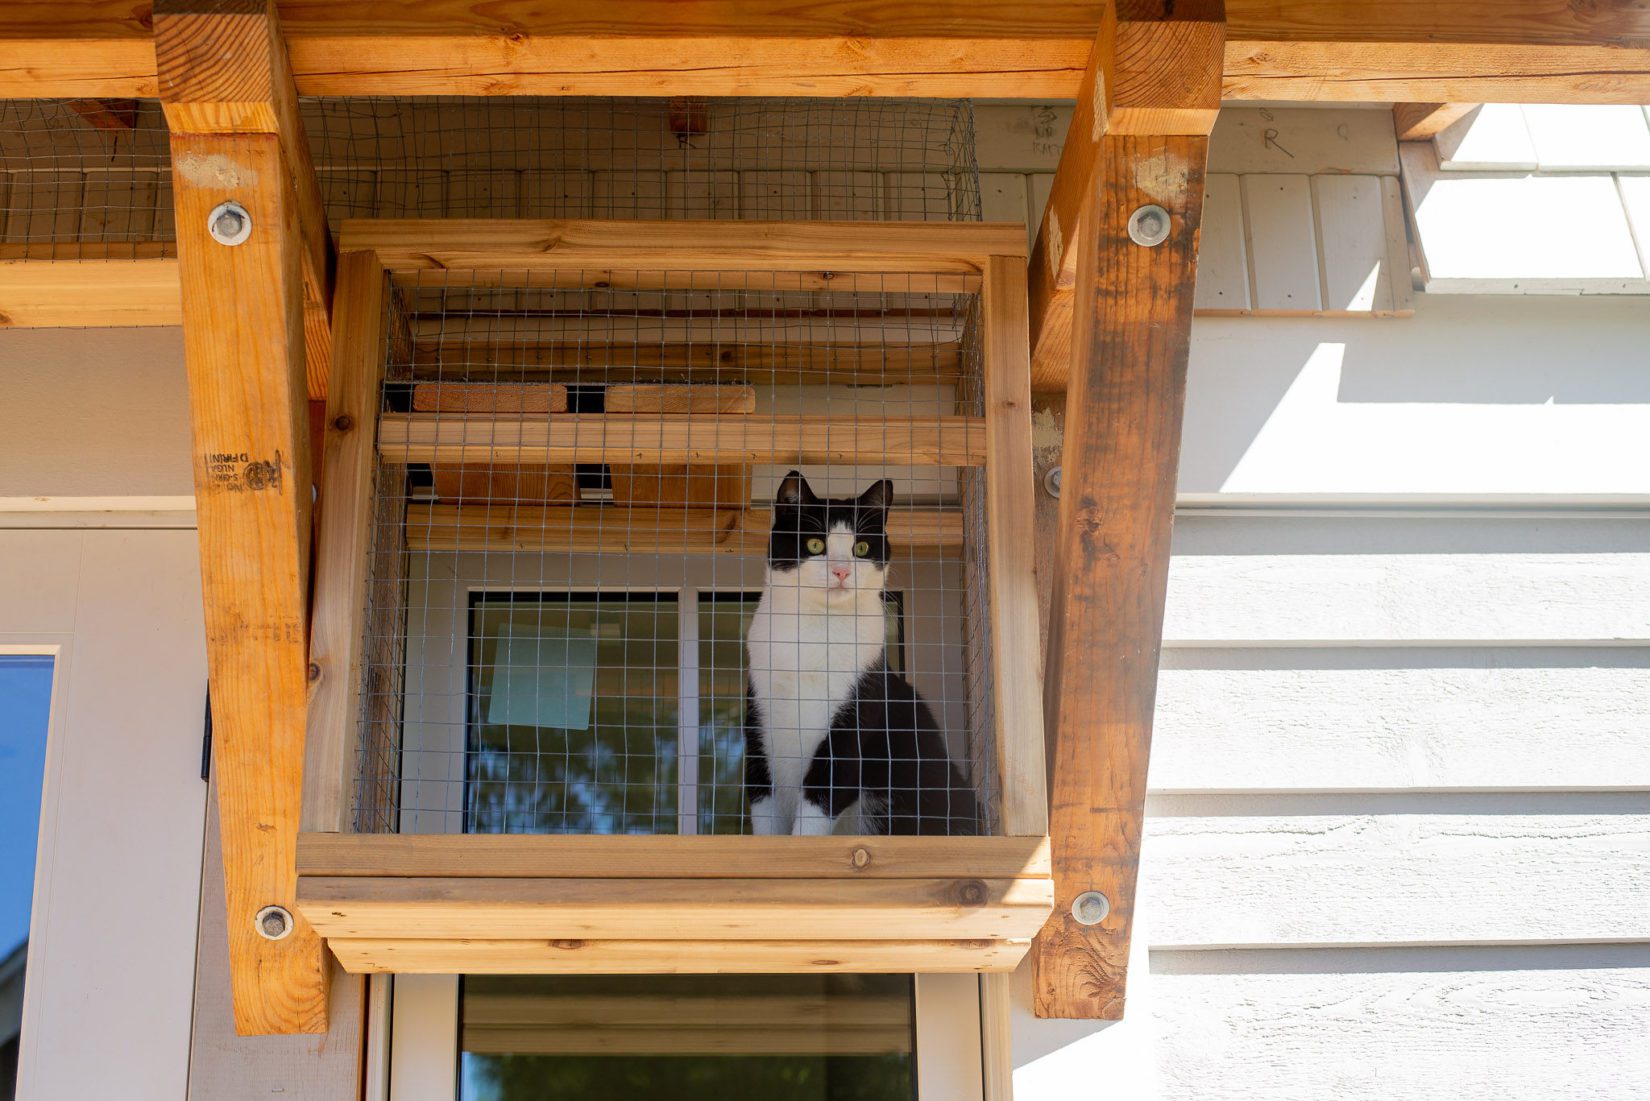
551,454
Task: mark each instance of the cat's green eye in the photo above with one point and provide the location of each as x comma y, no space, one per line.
816,546
862,549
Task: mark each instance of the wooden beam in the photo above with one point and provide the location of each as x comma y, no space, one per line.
539,956
342,554
39,293
222,69
244,352
499,250
1331,50
1423,121
1110,565
1154,69
381,908
561,529
664,438
1016,681
634,856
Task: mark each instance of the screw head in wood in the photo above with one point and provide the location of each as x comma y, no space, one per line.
1051,481
1090,908
229,223
273,922
1149,226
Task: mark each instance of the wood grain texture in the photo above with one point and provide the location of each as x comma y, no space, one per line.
1411,51
687,857
1122,446
49,294
644,247
223,69
640,530
247,399
1017,685
1401,719
342,557
675,957
1424,121
379,907
666,438
488,397
1395,870
1422,1024
1154,69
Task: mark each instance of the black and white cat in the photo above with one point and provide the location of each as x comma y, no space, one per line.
829,728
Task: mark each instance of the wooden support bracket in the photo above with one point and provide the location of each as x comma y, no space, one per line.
233,116
1141,151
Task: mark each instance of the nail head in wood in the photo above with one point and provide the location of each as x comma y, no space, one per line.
1149,226
229,223
1051,481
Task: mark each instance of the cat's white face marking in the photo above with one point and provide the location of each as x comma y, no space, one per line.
835,576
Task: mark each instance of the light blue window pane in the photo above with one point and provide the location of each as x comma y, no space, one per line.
25,713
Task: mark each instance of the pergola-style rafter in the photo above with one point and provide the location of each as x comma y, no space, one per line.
1345,50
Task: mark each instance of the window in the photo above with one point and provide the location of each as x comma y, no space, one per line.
682,1037
611,712
687,1037
25,711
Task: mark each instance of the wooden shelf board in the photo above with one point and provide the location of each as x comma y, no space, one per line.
656,439
77,293
424,956
501,525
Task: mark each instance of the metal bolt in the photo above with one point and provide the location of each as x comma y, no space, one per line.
1149,226
1090,908
229,223
273,922
1051,481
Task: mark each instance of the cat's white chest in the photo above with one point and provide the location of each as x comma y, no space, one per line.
803,665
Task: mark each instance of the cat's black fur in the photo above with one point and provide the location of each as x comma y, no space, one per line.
884,749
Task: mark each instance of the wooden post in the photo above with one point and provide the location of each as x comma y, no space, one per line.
230,105
1143,145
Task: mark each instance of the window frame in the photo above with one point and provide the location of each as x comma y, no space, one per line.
420,1035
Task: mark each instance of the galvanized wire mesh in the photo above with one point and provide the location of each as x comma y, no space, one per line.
570,617
737,158
84,178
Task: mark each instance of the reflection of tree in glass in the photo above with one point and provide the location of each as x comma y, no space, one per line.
688,1078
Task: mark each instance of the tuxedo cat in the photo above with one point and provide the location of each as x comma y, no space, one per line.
829,728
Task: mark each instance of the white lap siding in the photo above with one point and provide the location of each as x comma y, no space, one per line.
1399,839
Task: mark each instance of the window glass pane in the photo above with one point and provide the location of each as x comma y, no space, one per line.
687,1038
723,620
573,713
25,713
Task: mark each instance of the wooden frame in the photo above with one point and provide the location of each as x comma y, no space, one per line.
420,903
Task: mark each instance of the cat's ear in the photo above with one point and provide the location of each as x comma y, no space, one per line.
794,490
880,496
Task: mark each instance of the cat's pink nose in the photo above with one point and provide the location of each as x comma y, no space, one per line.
841,572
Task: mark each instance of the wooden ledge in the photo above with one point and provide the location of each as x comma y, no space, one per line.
621,856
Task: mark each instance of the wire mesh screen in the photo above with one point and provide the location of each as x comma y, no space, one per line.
687,552
570,157
84,179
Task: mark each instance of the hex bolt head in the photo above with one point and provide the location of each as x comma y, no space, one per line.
1149,226
229,223
1090,908
273,922
1051,481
